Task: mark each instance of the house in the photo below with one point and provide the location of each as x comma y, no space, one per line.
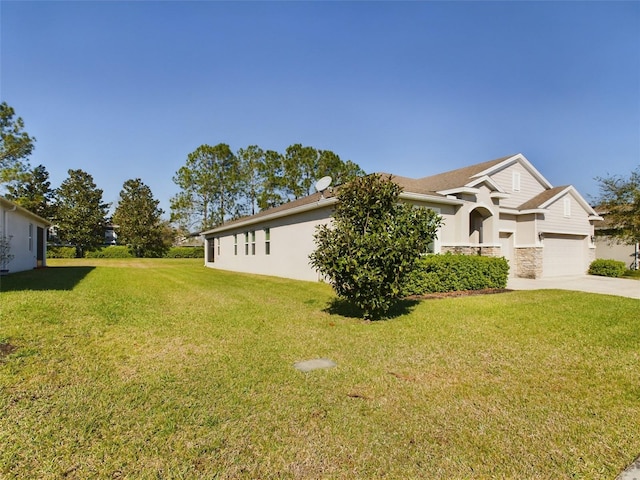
23,238
503,207
609,247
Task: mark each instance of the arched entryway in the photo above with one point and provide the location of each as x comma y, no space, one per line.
480,226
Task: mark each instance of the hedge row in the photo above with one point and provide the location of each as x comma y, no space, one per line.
121,251
113,251
607,268
185,252
449,273
61,252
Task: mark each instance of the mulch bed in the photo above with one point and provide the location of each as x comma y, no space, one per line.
460,293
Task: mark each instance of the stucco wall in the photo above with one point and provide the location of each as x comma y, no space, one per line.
608,249
291,243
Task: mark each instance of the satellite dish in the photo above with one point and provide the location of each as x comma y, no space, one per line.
323,184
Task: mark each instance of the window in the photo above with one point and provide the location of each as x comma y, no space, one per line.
267,241
235,244
253,242
246,243
567,207
516,181
31,237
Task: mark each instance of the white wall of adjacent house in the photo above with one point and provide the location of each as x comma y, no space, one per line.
22,232
278,247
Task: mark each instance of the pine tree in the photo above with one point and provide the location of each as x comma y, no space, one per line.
33,192
80,213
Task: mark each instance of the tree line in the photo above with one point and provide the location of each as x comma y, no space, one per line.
217,184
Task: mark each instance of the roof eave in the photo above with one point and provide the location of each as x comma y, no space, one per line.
453,191
24,211
422,197
528,211
324,202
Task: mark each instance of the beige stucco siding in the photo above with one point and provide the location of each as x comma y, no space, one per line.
607,248
291,243
529,185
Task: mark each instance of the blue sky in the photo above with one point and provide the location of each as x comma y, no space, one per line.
128,89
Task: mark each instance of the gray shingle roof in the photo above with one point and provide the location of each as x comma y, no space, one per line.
541,198
426,186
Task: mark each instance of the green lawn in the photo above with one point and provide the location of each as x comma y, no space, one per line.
166,369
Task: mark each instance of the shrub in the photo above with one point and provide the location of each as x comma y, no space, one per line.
449,273
61,252
607,268
369,250
185,252
113,251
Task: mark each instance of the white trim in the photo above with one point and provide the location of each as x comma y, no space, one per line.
564,232
513,211
324,202
499,195
474,191
489,181
431,198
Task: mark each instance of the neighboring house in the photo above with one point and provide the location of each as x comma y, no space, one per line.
608,247
26,233
503,207
110,234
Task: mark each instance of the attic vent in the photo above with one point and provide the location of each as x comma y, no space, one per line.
516,181
567,207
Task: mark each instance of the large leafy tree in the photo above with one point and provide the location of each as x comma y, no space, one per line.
33,192
15,145
138,221
210,182
373,243
620,202
80,213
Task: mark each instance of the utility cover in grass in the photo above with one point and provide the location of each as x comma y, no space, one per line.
315,364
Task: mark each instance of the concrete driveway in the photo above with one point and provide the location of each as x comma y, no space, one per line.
622,287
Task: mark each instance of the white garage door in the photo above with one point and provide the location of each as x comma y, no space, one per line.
564,255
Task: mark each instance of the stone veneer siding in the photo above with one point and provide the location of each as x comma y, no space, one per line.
528,262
